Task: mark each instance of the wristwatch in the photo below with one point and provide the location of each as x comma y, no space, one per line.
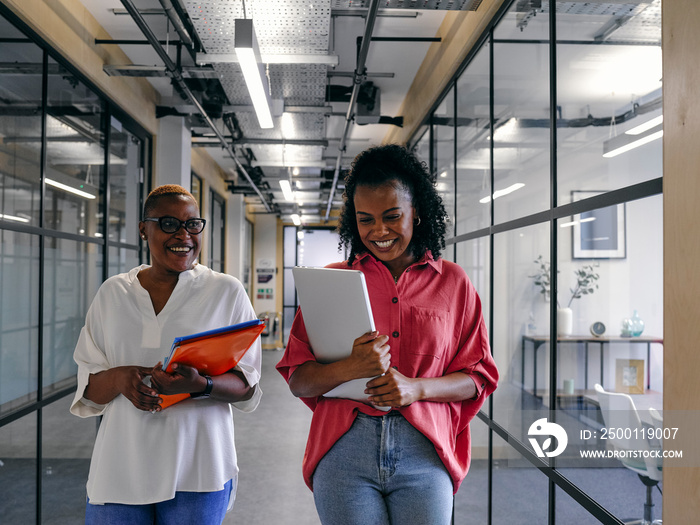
207,389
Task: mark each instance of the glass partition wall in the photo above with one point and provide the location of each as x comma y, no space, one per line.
554,171
71,185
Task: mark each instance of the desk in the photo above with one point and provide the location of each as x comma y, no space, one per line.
538,340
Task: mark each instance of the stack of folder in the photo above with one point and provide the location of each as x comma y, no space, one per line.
213,352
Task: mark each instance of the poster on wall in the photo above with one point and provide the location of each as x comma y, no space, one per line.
264,272
598,234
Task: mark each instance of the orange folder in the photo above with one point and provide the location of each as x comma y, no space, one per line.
212,352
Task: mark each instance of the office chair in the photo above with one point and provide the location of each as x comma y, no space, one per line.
619,412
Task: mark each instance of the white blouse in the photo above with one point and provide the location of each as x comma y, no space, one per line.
140,457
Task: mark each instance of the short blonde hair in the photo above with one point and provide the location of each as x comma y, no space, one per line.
163,191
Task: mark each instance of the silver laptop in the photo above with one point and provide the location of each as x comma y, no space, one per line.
336,309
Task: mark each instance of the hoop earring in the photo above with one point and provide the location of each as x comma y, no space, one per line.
418,222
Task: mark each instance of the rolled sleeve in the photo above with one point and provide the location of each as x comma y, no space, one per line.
252,376
90,360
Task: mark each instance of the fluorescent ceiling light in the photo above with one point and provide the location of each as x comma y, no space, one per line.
296,219
290,163
13,218
69,189
506,132
501,193
248,54
287,125
574,223
623,143
646,126
287,190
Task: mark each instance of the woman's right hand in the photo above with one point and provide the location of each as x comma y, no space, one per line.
370,355
369,358
104,386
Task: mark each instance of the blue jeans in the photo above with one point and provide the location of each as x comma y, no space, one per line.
186,508
382,471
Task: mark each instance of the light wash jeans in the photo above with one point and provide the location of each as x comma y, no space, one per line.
382,471
186,508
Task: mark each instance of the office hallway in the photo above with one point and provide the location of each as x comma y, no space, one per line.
270,444
271,441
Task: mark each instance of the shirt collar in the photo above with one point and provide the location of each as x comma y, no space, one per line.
426,259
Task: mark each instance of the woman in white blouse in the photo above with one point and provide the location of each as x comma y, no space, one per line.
153,465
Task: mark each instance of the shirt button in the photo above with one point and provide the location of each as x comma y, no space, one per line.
395,334
394,300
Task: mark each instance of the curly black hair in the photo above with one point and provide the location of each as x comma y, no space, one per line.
379,165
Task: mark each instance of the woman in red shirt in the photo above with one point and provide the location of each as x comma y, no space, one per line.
430,351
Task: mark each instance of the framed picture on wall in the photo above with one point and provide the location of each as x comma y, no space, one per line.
601,233
629,376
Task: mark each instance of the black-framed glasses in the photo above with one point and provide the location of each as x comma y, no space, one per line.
171,224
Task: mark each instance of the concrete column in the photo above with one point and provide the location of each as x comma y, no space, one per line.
174,152
267,274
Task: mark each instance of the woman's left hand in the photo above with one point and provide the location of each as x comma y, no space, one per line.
182,380
393,389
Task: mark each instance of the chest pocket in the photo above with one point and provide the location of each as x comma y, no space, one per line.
430,337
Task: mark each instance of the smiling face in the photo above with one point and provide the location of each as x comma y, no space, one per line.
385,217
172,253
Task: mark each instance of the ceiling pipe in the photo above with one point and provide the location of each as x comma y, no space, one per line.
179,79
359,76
177,21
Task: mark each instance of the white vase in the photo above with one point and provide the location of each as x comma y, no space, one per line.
565,321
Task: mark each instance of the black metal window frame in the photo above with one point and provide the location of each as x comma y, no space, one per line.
42,233
630,193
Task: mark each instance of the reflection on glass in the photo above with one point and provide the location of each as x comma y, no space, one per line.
75,155
471,501
473,146
609,95
20,128
217,233
521,125
124,178
18,472
444,158
122,260
520,311
197,188
621,363
473,256
72,271
422,145
19,293
66,445
524,504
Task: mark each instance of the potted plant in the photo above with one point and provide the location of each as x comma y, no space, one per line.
586,283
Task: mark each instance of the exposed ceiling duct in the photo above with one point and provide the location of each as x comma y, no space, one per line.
179,79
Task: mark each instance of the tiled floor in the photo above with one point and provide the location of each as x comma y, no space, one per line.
270,444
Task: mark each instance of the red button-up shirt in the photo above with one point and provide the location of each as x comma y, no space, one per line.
435,325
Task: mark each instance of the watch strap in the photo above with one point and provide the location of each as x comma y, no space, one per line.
207,389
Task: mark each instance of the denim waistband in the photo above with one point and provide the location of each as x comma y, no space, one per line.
391,413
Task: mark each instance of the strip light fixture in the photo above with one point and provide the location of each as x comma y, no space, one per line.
623,143
296,219
501,193
13,218
287,190
69,189
248,53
